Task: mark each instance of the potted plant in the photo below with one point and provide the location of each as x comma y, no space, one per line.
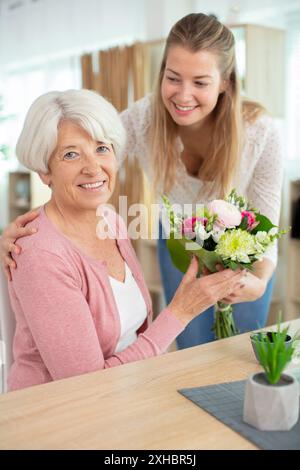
271,400
261,337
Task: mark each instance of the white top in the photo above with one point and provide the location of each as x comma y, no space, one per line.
258,179
131,307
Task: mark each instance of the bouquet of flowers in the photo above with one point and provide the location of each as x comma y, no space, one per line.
227,232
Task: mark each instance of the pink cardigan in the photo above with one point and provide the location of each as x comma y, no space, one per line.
67,321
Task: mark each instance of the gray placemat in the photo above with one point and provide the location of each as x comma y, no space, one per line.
225,402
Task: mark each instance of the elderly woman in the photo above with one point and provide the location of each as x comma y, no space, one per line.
80,300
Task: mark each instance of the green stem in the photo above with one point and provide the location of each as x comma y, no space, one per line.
224,325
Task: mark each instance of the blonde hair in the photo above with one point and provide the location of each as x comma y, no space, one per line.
197,32
86,108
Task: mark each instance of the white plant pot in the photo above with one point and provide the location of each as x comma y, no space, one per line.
271,407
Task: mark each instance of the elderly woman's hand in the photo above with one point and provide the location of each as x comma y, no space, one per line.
15,230
194,295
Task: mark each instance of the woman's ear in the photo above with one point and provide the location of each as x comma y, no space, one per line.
46,178
223,86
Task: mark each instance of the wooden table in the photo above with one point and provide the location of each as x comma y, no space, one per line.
134,406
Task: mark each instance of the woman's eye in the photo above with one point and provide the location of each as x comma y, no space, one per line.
201,84
103,149
70,155
172,79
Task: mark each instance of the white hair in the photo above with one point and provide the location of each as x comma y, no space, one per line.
86,108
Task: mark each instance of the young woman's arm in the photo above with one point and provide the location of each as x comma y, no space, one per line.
265,194
8,245
254,284
264,190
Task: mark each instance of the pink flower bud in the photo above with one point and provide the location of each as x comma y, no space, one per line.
228,216
188,225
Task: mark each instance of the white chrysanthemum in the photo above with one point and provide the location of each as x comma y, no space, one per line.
262,238
236,245
260,249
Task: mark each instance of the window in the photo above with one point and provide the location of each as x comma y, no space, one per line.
20,87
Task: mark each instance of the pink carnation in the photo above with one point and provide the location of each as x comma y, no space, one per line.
188,226
228,216
252,223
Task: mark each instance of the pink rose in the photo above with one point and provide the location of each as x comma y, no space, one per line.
252,222
188,226
228,216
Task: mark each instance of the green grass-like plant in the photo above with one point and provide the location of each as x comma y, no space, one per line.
274,355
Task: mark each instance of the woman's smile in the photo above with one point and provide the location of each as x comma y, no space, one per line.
94,186
184,110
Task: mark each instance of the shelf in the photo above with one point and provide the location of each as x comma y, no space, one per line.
25,191
20,206
291,254
19,193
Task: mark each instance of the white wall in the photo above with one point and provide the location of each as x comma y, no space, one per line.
33,29
47,27
265,12
160,15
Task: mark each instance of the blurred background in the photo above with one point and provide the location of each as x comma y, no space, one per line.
114,47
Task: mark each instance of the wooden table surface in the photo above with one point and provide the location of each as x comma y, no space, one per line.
134,406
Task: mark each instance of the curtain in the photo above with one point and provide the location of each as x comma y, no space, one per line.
121,74
87,71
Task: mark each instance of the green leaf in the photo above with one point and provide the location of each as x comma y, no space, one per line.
264,224
244,224
208,258
227,263
233,265
181,257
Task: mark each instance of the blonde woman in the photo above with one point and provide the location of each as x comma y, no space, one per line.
196,139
